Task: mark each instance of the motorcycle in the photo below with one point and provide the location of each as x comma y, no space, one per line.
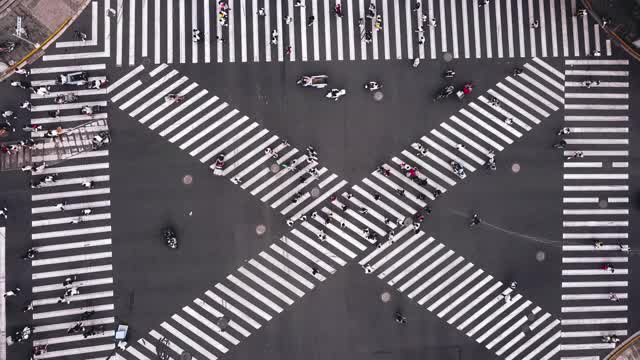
335,94
466,90
65,99
564,131
170,238
372,86
458,169
315,81
445,92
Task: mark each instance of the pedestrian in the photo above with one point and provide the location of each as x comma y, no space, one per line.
507,298
25,105
399,318
43,90
299,3
508,121
311,20
421,40
274,37
415,62
314,271
289,50
581,12
321,235
4,212
433,23
608,267
513,285
195,33
535,24
376,196
13,292
482,3
60,206
416,227
596,52
338,9
68,281
88,184
80,35
28,307
368,36
364,211
475,220
598,244
624,248
378,23
400,192
288,19
613,297
261,12
459,147
367,269
220,38
416,7
361,24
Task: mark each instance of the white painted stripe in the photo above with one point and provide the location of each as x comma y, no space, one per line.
211,326
320,199
521,38
503,321
594,223
266,286
532,93
465,27
593,321
253,292
156,32
302,251
602,308
327,28
67,272
582,272
445,283
186,340
424,271
590,248
594,284
169,28
77,351
464,296
225,304
476,29
208,308
287,270
506,114
432,31
596,235
594,259
148,89
514,106
567,297
350,27
596,73
63,233
83,283
474,302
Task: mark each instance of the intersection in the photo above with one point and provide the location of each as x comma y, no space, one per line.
242,278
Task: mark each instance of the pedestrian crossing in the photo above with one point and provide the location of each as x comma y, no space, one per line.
206,127
435,277
310,30
294,183
71,225
595,215
73,245
334,226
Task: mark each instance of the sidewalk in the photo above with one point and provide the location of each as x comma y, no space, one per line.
42,20
623,22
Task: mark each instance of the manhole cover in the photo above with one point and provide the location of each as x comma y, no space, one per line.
447,57
378,95
540,255
407,221
385,297
187,179
275,168
222,323
185,356
315,192
261,229
515,168
603,203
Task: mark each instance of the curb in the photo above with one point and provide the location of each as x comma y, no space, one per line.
630,50
37,52
619,350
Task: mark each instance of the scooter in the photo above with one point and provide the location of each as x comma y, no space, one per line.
372,86
335,94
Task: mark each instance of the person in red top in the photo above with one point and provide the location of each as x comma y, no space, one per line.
467,89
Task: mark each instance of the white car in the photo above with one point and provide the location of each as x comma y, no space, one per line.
76,78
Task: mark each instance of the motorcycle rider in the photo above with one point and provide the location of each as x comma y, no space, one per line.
372,85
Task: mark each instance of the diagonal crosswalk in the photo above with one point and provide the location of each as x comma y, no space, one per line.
311,30
333,225
595,215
